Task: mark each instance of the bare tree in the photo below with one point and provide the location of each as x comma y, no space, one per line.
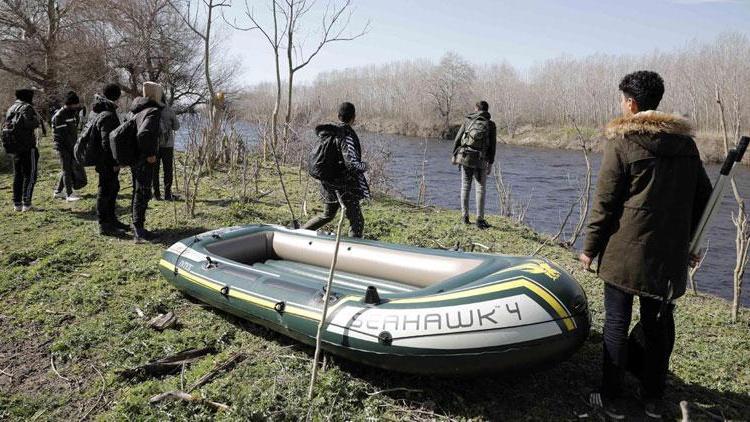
448,85
584,197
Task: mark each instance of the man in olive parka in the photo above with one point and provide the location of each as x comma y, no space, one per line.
651,191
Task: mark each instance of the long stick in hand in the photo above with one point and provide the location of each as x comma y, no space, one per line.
326,295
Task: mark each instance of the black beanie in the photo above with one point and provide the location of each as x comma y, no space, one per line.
71,98
25,94
112,92
346,112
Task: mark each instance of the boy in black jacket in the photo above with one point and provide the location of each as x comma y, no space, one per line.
25,152
65,124
147,113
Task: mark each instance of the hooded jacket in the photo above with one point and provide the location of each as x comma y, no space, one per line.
355,185
65,123
651,191
29,120
147,114
489,153
106,120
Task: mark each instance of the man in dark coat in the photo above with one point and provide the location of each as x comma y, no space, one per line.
474,151
651,191
147,114
65,124
25,152
354,187
106,120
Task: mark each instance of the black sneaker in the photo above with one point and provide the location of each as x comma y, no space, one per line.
654,409
481,224
106,229
466,220
140,235
120,225
608,406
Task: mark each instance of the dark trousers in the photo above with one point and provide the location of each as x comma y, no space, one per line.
142,179
66,174
24,175
353,214
165,156
659,341
106,200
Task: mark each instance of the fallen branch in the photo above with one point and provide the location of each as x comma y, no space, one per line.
181,395
224,366
8,374
52,364
167,364
163,321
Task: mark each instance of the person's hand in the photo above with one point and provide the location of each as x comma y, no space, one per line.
585,261
695,259
151,159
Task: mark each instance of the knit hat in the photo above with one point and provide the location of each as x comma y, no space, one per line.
25,94
152,91
71,98
112,92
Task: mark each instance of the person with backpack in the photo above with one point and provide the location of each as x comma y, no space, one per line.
650,195
474,152
65,124
337,163
146,115
18,139
169,125
104,121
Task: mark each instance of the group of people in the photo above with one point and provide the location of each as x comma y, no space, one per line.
156,124
651,190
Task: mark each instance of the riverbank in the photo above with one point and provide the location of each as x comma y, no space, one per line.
68,324
710,145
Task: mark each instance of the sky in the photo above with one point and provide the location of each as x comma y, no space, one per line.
521,32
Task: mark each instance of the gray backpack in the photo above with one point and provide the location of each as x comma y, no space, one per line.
476,133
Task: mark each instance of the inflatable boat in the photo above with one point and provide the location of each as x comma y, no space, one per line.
396,307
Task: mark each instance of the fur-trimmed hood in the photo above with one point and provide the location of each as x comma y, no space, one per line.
658,132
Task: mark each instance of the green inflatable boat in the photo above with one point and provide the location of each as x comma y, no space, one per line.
396,307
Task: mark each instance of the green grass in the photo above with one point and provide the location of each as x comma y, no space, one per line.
68,293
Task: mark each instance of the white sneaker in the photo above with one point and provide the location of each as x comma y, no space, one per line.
58,195
27,208
17,208
73,197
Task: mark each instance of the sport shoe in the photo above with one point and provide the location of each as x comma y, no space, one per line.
466,220
17,208
481,224
58,195
654,408
608,406
27,208
73,197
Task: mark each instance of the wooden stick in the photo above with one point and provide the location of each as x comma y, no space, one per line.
326,295
52,364
233,360
181,395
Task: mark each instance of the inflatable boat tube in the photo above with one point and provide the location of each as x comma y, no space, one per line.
396,307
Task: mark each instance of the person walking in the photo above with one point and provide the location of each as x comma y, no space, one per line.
650,194
169,125
146,111
474,152
350,187
19,140
65,123
106,120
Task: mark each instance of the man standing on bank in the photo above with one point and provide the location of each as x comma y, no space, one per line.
352,186
19,139
474,152
65,124
169,125
651,191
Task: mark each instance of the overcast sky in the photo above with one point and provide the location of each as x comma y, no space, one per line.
523,32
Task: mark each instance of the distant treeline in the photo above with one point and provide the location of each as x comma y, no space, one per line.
424,98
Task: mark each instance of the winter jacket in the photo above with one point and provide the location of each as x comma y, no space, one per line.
65,124
355,186
106,120
28,122
147,114
650,195
169,125
489,152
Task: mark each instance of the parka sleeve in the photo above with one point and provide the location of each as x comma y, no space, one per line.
703,190
457,141
608,200
175,121
492,144
30,118
148,133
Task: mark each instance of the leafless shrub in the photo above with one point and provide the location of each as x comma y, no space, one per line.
584,197
508,206
193,161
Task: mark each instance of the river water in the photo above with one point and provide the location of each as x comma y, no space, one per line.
546,179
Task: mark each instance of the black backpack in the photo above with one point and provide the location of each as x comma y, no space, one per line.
87,150
326,162
11,129
124,143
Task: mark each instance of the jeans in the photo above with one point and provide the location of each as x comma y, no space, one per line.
142,174
24,175
467,175
353,212
659,341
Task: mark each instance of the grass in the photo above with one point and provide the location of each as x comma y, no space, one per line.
68,296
